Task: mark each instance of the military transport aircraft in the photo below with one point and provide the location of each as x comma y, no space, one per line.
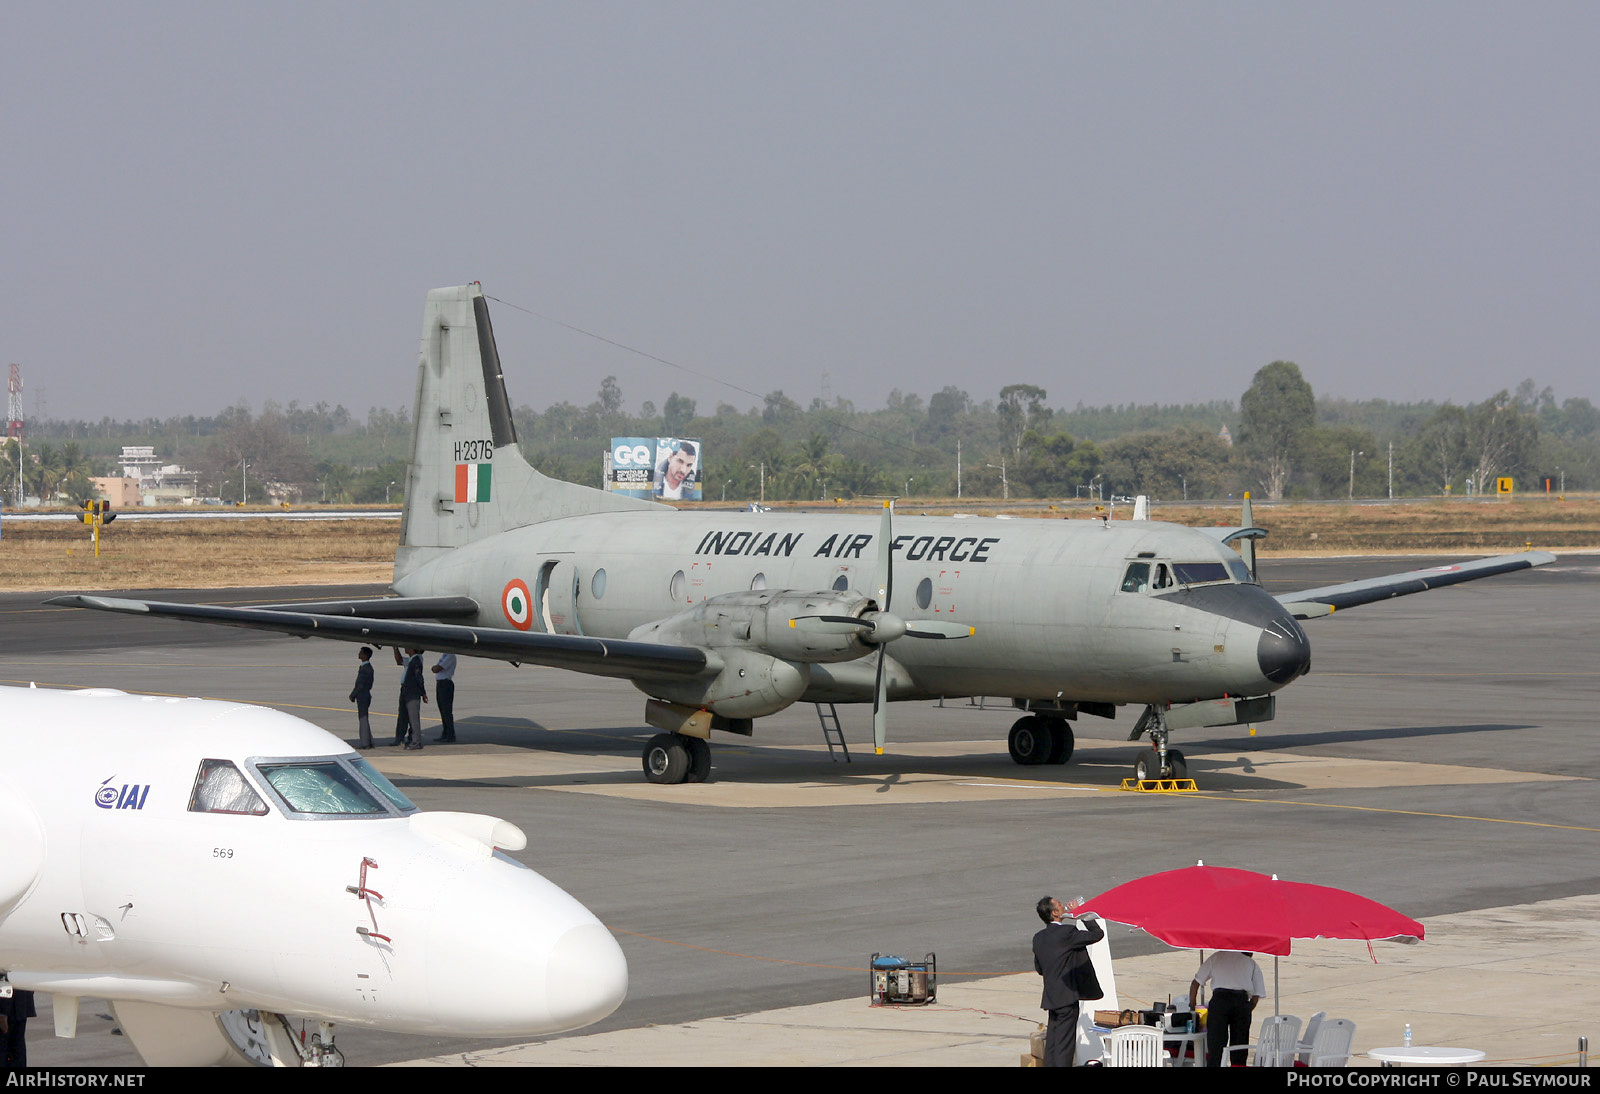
212,869
721,618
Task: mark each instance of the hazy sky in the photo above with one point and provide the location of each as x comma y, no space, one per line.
1118,202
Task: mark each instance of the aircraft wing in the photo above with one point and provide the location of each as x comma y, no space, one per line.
385,607
1315,602
595,656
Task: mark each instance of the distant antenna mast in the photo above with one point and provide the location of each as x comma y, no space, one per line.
14,409
14,426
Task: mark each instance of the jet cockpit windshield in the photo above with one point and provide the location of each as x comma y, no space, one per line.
331,788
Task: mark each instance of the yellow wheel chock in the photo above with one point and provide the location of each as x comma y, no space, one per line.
1161,786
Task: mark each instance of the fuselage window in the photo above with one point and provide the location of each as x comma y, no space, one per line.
322,788
677,586
597,584
841,583
1163,577
924,593
220,787
758,583
1200,573
1137,579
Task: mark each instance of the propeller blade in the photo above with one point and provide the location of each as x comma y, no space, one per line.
889,627
880,708
884,579
935,628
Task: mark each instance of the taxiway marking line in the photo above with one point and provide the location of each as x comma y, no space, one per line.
1214,796
790,961
1404,812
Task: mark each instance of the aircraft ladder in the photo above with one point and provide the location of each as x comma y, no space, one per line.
833,734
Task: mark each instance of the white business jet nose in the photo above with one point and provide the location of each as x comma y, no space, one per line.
513,955
587,976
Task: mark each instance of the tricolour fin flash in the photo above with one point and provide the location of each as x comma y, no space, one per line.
468,478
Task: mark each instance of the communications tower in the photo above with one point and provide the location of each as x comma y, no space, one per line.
14,423
14,406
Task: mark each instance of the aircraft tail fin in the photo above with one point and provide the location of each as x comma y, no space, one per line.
467,478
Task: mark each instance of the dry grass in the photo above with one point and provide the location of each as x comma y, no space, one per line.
216,553
1419,526
197,554
1423,526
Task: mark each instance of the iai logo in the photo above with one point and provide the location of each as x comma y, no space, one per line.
128,796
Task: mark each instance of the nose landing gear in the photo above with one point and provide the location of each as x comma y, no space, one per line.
1158,761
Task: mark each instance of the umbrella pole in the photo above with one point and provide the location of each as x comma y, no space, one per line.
1274,985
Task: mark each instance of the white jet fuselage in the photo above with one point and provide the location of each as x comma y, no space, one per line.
113,885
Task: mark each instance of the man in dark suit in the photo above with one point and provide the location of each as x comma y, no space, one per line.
1061,956
361,696
14,1014
408,727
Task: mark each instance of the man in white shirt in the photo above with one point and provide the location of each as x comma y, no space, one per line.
1236,987
444,690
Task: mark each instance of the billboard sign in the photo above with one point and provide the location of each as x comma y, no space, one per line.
667,468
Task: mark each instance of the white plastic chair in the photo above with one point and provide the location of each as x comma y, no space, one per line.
1308,1036
1134,1046
1331,1048
1277,1044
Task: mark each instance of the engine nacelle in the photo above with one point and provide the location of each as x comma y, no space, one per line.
751,684
760,620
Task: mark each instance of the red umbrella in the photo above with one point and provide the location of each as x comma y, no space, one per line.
1217,908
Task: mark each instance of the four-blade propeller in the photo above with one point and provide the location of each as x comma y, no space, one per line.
881,626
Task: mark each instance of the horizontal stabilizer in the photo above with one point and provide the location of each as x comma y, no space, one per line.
1314,602
595,656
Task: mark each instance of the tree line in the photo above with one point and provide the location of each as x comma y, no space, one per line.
1277,440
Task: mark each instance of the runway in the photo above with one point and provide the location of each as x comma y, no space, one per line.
1437,758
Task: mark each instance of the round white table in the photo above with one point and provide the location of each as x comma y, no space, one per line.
1424,1055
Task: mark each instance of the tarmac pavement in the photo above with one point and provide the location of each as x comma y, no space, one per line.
1517,983
1438,758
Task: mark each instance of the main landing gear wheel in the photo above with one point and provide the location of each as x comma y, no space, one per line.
1031,741
699,759
666,758
1061,740
1176,765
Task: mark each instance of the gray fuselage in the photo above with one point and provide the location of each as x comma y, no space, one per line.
1046,597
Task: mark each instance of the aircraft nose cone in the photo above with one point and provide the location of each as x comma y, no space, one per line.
1283,651
588,976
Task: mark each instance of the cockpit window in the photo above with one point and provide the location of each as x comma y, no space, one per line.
1240,571
1137,579
1199,573
1163,577
323,788
220,787
387,788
